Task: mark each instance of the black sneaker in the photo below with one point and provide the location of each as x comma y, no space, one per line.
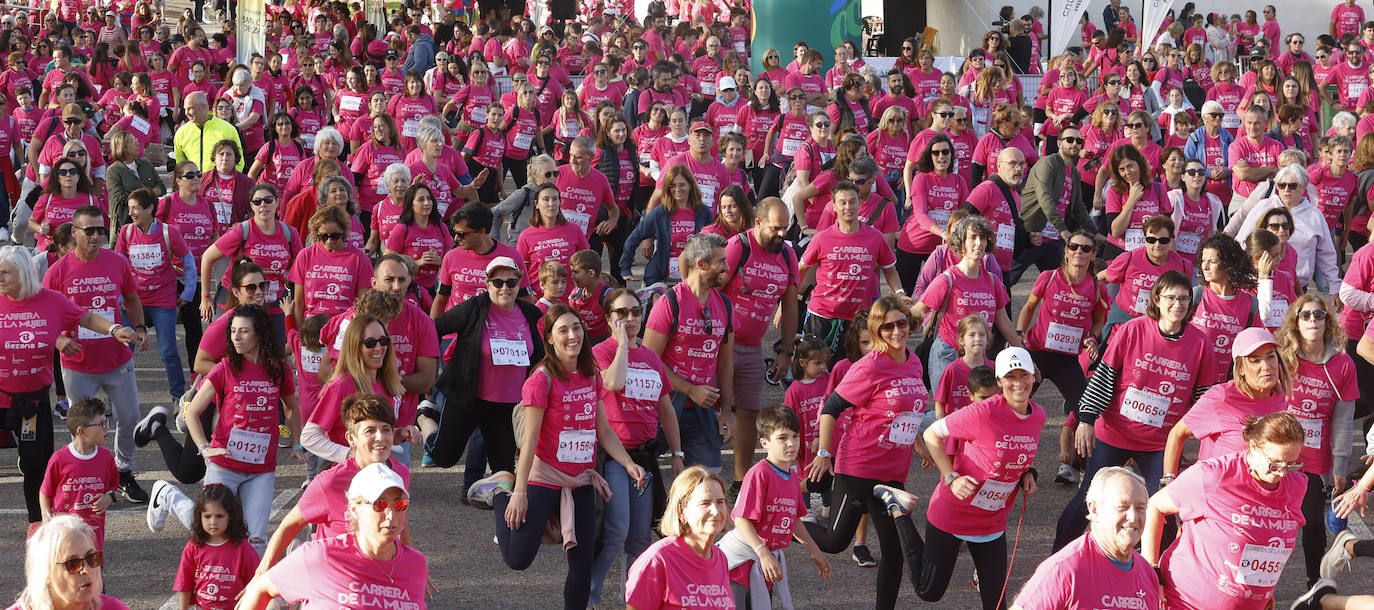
1312,599
143,432
863,557
61,409
128,487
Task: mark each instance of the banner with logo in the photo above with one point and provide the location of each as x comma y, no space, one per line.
252,30
1064,27
1155,11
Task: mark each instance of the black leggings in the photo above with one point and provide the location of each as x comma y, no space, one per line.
1066,374
519,546
519,171
190,320
852,499
771,186
488,193
614,241
1364,373
456,423
183,459
909,269
931,562
34,453
1314,530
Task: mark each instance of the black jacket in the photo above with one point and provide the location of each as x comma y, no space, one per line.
468,320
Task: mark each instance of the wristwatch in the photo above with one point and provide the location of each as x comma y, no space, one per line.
823,453
951,478
678,454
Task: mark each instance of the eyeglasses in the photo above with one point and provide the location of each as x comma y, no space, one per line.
1312,314
510,282
1110,112
1183,299
1195,172
1077,247
908,48
263,201
1279,226
256,288
1287,186
628,312
372,342
104,424
887,327
93,559
323,237
1285,466
1071,140
93,231
68,171
191,175
399,506
1163,241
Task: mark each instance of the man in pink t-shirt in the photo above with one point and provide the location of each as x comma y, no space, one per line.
463,274
1346,18
1351,78
710,174
1254,156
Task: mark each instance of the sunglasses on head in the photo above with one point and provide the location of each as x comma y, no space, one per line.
93,231
372,342
323,237
887,327
1312,314
510,282
1163,241
256,288
93,559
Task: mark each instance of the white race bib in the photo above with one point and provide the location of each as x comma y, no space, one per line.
309,140
993,495
273,291
789,148
581,219
576,446
311,359
162,100
381,187
141,124
478,116
643,384
145,257
1230,120
224,212
939,217
708,88
1063,338
351,103
523,140
1050,231
1006,236
1311,432
83,333
1145,407
902,430
1142,299
1278,308
571,128
739,47
248,447
1356,89
505,352
1135,238
1188,242
1261,565
708,194
410,128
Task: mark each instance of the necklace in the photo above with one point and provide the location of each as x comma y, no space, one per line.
391,564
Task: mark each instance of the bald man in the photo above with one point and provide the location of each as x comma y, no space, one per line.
196,139
998,201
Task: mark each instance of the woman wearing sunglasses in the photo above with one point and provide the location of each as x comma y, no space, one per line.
248,387
1238,514
262,239
371,558
1291,213
1057,108
366,363
1063,316
67,189
328,274
63,569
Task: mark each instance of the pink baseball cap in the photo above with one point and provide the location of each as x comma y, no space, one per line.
1251,339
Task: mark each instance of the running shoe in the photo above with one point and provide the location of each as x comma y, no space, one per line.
1066,475
426,462
129,488
283,436
61,409
143,431
1337,558
1312,599
158,506
863,557
482,492
896,500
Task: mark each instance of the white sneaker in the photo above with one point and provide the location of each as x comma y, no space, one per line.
4,234
1336,559
158,508
482,492
1066,475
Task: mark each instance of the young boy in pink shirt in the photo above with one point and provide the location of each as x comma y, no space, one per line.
770,505
81,478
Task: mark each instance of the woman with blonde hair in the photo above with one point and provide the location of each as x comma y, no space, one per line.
685,562
366,363
62,569
989,91
681,208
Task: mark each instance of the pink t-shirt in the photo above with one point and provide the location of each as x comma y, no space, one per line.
56,210
591,307
414,241
28,332
847,269
505,359
330,280
712,177
465,271
96,286
983,295
1137,274
1235,536
583,196
669,575
76,482
889,398
1218,418
1066,312
567,434
385,215
1155,385
247,424
307,363
775,504
325,501
888,151
333,572
442,182
538,245
1153,202
990,202
279,161
806,397
1316,390
1220,319
274,253
106,603
371,160
1081,576
197,221
999,446
694,342
633,411
756,288
885,222
933,199
1264,154
487,147
216,573
1333,194
1348,19
152,261
328,414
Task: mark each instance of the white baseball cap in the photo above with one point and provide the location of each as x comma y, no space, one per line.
501,262
1013,358
726,82
373,481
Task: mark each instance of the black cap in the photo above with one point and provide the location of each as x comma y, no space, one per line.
392,54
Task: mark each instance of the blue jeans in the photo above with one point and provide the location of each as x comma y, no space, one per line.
1074,520
941,356
254,491
164,320
700,432
628,524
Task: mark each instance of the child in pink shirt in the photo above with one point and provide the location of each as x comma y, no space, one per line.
217,561
308,353
806,395
82,476
553,286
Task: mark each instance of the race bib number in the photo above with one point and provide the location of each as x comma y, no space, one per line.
939,217
309,140
248,447
1311,432
310,360
1261,565
273,291
1230,121
141,124
224,212
83,333
1278,308
643,384
1356,89
1145,407
570,128
645,157
1188,242
410,128
739,47
993,495
789,147
351,103
980,116
1135,238
523,140
1006,236
708,194
708,88
163,100
1063,338
478,116
145,257
505,352
902,431
581,219
576,446
381,188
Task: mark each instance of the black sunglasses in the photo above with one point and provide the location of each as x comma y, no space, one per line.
372,342
93,231
263,200
1163,241
510,282
1071,140
322,237
1312,314
1075,247
255,288
1195,172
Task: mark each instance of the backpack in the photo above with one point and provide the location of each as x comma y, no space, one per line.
166,236
745,250
675,309
244,229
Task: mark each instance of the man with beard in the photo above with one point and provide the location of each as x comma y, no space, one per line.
1102,564
844,262
691,328
1052,206
761,273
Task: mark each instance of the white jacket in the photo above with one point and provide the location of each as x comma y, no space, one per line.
1311,239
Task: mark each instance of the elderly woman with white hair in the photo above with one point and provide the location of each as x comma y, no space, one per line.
329,144
396,178
27,370
370,557
1310,235
448,180
1343,124
62,569
1264,189
250,106
506,215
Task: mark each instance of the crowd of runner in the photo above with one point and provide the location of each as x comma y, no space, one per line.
558,254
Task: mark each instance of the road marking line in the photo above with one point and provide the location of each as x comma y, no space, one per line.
287,496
